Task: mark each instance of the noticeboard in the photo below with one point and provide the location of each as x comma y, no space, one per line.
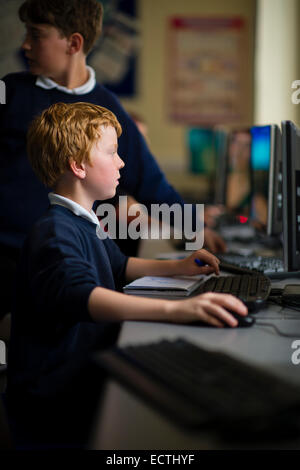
208,70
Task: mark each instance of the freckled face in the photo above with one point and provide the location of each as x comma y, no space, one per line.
102,177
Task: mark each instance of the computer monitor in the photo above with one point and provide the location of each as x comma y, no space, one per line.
274,225
221,137
291,195
266,168
200,143
202,158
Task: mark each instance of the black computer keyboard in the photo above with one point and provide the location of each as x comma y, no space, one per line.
263,264
199,388
253,289
271,267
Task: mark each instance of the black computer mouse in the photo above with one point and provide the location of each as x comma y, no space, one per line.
243,322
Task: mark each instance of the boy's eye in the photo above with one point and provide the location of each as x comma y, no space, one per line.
36,34
33,33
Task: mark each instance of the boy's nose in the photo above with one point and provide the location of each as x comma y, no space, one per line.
121,164
25,44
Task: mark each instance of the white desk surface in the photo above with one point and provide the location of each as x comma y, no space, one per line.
124,421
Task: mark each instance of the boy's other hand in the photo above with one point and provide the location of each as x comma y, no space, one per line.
213,241
211,213
199,262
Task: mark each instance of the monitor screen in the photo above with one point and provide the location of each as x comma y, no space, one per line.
200,143
291,195
260,148
266,205
260,165
202,157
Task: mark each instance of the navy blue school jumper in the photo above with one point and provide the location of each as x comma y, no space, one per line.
62,261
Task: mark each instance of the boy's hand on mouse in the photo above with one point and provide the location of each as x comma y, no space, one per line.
211,308
199,262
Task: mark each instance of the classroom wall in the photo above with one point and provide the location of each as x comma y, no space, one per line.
277,62
168,139
11,36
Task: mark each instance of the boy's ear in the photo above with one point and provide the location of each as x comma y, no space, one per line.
75,43
78,169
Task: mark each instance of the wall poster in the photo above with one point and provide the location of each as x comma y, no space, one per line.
208,70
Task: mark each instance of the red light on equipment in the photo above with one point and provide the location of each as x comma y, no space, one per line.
243,219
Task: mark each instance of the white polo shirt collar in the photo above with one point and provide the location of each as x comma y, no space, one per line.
48,84
77,209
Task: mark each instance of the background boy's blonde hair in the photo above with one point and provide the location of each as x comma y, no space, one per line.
62,132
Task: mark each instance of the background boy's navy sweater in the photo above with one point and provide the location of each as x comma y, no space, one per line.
23,199
62,261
